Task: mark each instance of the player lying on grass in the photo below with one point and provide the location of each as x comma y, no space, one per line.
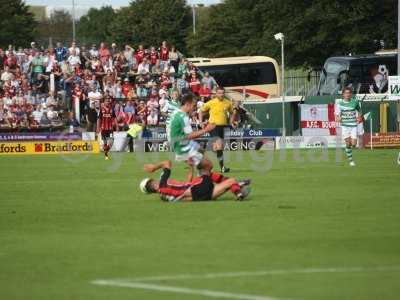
208,186
346,115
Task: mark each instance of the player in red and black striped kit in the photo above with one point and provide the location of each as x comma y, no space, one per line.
105,125
208,186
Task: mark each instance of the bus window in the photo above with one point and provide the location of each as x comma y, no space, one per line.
257,74
242,74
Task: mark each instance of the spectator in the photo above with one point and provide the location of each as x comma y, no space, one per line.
91,117
61,52
209,81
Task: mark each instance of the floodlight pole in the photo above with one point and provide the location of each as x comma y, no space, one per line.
73,20
398,38
283,84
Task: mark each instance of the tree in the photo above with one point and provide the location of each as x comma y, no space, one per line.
17,24
150,22
94,27
314,30
57,28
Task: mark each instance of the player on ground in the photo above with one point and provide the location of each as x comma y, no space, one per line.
105,125
182,135
346,114
207,186
222,114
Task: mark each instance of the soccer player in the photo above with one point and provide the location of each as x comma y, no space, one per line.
346,115
182,135
207,186
105,124
222,114
169,109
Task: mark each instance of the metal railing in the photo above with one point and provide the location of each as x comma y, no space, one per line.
301,82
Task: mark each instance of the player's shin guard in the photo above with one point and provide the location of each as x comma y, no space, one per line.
349,153
220,157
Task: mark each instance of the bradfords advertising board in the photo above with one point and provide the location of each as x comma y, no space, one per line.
318,119
44,147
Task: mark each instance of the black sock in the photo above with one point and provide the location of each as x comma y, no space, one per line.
220,156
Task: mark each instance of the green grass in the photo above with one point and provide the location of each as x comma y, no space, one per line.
65,223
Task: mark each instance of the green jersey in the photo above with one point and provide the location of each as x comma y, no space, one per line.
179,128
170,108
347,110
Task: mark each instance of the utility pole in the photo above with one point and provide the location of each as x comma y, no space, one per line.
73,20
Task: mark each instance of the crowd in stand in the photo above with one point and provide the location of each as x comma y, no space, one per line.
39,88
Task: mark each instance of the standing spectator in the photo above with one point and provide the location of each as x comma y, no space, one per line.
139,54
174,58
209,81
91,117
6,75
152,109
94,96
74,48
164,55
182,85
37,66
204,92
104,54
93,52
194,84
114,50
78,95
153,57
129,55
61,52
129,111
74,60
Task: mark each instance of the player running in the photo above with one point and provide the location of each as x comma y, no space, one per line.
207,186
222,114
182,135
346,114
105,124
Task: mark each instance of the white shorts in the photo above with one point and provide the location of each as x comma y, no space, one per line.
193,156
349,132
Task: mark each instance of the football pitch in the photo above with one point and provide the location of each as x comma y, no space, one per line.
77,227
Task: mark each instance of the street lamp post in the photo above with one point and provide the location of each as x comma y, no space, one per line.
280,37
73,20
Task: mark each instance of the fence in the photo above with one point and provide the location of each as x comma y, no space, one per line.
301,82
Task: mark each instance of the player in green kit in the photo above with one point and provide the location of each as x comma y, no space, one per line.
182,135
169,109
346,115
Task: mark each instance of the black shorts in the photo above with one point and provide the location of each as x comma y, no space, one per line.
105,134
204,190
218,131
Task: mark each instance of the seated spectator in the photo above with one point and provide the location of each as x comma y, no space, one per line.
44,120
71,121
144,67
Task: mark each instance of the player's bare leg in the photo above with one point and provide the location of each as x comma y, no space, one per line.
350,144
218,147
232,185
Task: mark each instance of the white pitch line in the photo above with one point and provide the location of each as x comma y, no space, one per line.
265,273
181,290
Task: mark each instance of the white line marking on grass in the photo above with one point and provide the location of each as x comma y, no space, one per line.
181,290
266,273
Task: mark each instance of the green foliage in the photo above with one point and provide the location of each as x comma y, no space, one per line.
150,22
94,27
314,30
17,24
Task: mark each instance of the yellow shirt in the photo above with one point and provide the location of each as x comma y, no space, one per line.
219,111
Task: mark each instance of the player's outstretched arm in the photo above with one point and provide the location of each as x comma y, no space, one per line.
199,133
151,168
